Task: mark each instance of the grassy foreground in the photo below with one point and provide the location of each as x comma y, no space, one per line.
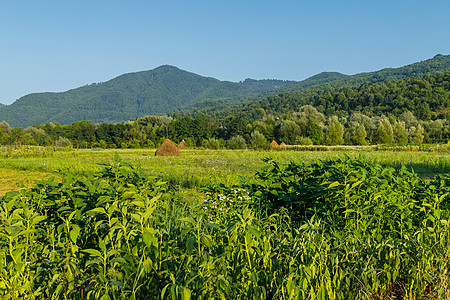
300,225
194,169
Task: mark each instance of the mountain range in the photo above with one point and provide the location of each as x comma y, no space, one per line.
168,89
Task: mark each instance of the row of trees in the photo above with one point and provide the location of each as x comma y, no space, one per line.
303,127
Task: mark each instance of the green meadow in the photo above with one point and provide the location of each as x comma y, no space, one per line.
195,169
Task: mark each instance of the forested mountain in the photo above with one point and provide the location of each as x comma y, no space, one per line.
128,96
168,89
412,110
265,84
428,97
439,63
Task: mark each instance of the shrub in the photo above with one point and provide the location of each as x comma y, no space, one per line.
236,142
63,142
101,144
304,141
257,140
212,143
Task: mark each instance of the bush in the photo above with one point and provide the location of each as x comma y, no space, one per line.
212,143
258,140
63,142
101,144
305,141
339,229
236,142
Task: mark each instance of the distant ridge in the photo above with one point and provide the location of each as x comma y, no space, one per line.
439,63
128,96
167,89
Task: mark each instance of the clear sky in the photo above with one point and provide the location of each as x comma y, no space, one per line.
58,45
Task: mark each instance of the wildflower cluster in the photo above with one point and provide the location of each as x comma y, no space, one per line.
221,202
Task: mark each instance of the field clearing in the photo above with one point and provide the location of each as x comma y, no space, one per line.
194,168
11,180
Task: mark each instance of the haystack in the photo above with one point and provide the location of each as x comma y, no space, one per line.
182,145
167,149
282,144
274,144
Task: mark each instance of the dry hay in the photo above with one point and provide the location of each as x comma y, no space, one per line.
182,145
274,144
282,144
167,149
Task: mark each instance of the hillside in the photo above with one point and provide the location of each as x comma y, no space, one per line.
128,96
439,63
168,89
265,84
427,97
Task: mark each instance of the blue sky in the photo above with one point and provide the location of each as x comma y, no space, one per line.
58,45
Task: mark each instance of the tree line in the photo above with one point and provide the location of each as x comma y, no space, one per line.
414,110
306,126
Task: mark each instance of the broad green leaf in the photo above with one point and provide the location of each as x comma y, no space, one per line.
93,252
38,219
190,244
186,294
102,245
163,291
207,240
74,233
254,231
333,184
105,297
150,239
100,210
187,219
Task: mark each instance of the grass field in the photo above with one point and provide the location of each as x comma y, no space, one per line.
11,179
194,168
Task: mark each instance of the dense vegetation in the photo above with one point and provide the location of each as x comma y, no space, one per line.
423,96
168,89
408,111
204,225
338,229
439,63
427,97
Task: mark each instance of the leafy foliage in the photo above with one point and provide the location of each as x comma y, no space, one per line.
300,231
427,97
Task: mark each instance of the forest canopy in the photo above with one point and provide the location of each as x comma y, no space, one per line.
413,110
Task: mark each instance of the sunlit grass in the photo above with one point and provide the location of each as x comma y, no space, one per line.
12,180
200,168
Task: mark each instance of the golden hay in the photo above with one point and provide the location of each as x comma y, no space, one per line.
182,145
282,144
274,143
167,149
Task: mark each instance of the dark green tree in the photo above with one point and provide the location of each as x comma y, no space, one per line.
335,133
384,133
314,132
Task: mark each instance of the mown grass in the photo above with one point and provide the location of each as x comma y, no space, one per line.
12,180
